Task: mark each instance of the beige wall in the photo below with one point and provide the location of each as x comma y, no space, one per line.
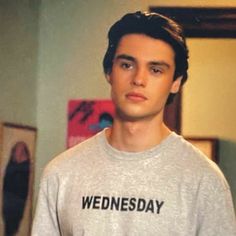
208,101
18,61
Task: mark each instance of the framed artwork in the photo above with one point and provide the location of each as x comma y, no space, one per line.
17,151
209,146
203,22
86,118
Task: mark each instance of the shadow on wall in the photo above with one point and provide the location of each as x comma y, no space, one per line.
227,164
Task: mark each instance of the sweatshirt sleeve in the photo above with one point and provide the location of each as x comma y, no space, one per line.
217,216
46,220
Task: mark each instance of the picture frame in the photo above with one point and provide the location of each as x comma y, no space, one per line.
202,22
17,157
208,145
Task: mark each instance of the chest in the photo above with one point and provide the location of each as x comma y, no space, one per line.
128,198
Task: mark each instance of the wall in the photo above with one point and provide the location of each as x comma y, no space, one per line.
18,61
211,90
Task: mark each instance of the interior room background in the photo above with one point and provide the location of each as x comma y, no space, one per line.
51,51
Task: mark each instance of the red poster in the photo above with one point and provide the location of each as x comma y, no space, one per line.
86,118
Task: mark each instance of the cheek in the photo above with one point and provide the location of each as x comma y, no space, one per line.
160,86
116,90
115,95
160,90
118,83
115,87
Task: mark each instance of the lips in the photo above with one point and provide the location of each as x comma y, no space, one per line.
133,96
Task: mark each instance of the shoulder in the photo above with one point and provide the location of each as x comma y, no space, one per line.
72,159
195,163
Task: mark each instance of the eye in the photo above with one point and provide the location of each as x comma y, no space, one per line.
156,70
126,65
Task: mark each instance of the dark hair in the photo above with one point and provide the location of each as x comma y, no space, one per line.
156,26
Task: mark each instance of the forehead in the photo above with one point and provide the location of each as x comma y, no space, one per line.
144,47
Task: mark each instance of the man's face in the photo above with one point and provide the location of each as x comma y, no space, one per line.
142,77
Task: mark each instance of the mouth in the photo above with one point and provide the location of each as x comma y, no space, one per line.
136,97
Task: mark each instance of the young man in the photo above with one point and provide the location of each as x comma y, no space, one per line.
137,177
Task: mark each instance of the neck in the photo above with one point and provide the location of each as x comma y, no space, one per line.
136,136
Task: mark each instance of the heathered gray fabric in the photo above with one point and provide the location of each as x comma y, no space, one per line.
172,189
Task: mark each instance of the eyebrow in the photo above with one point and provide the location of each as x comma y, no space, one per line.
125,56
152,63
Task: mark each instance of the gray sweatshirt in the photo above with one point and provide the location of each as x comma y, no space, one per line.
93,189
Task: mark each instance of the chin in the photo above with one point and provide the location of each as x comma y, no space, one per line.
132,115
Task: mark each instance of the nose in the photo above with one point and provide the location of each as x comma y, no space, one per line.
140,77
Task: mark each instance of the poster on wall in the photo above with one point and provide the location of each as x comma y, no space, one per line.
17,151
86,118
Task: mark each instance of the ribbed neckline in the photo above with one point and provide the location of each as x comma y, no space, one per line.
122,155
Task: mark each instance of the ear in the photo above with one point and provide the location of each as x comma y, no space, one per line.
108,78
175,87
